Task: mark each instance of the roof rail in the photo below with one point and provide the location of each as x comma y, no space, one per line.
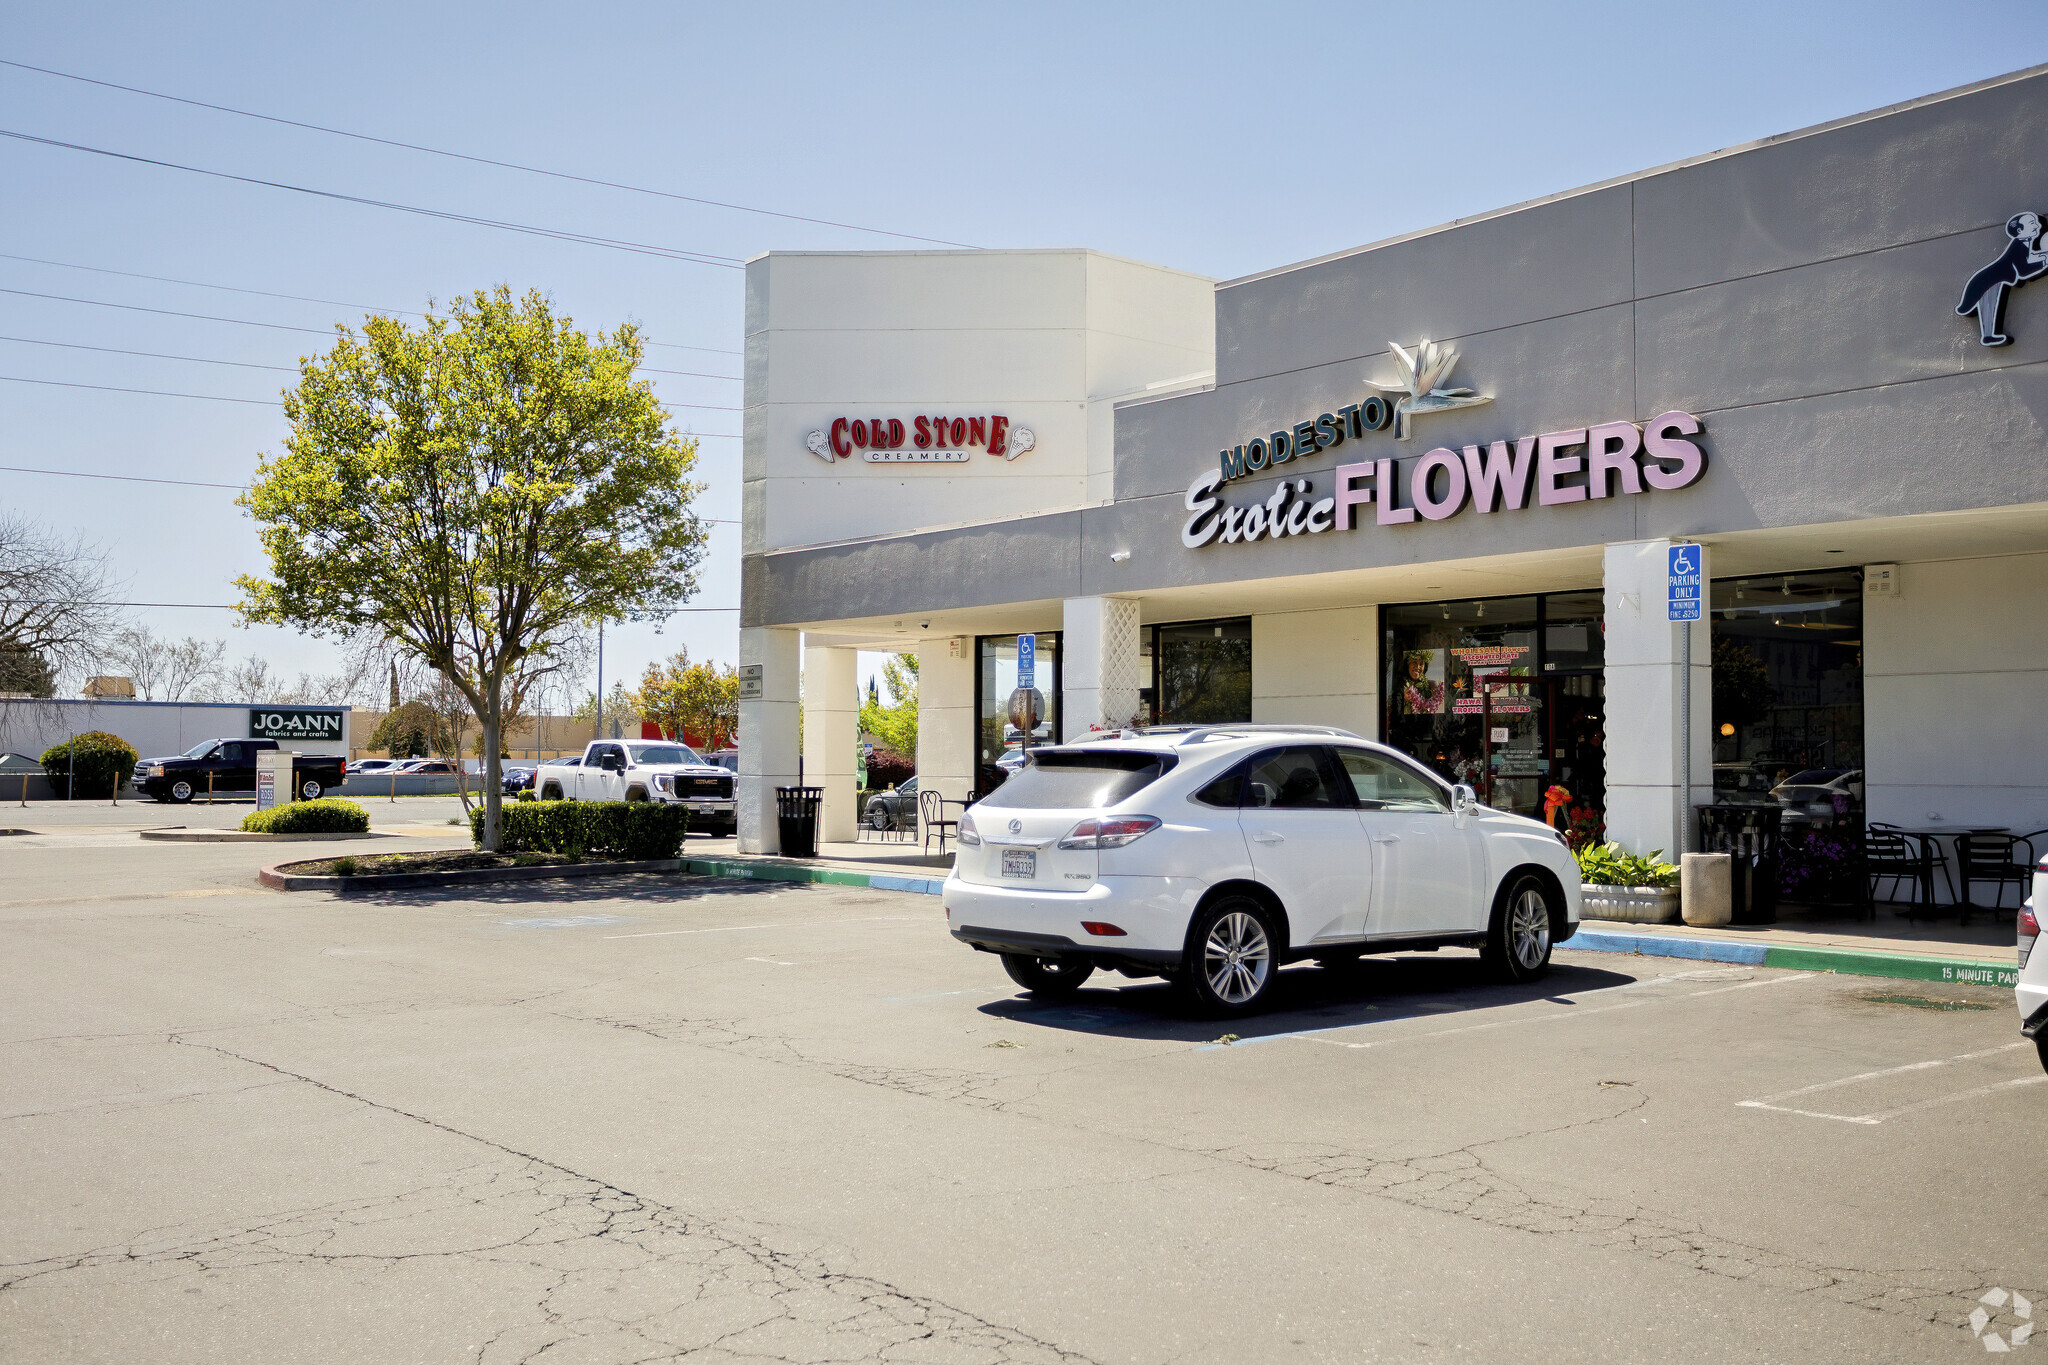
1201,734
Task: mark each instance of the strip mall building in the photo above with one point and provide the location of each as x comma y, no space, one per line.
1426,490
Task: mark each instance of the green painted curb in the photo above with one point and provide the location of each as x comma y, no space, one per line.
1896,965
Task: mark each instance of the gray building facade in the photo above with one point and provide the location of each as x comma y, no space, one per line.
1758,351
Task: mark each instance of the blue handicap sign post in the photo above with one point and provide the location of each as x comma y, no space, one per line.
1027,661
1683,585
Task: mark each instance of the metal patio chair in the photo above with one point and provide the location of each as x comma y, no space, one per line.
931,818
1888,855
1990,858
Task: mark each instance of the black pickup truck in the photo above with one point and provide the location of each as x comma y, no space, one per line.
231,764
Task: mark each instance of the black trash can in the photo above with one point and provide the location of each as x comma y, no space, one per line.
1749,832
796,813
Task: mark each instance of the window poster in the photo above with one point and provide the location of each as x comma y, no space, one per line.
1474,666
1422,683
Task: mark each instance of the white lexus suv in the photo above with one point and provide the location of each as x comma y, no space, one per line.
1213,855
2032,994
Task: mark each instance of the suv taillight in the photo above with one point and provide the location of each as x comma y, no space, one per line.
1114,832
967,833
2030,931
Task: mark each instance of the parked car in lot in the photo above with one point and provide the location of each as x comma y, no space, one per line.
518,779
647,770
425,767
229,765
892,809
728,759
2032,991
367,767
1214,855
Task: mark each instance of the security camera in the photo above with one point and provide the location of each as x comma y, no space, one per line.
924,625
1120,557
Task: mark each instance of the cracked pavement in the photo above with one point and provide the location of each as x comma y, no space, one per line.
648,1118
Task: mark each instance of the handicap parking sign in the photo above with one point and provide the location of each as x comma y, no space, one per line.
1683,584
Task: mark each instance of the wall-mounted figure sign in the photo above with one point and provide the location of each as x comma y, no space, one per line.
918,440
294,722
2021,261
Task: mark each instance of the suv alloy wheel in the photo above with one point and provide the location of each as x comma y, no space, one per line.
1231,956
1519,940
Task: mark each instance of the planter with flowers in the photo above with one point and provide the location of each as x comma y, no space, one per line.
1619,885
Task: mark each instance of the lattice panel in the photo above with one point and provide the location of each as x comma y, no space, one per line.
1122,663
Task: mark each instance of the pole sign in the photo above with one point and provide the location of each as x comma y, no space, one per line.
295,722
1682,583
1027,662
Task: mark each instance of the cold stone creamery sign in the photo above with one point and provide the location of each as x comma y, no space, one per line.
918,440
1614,459
294,722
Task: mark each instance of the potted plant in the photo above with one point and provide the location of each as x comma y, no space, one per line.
1620,885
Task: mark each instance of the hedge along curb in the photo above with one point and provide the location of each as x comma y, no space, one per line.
1846,961
240,836
749,870
275,876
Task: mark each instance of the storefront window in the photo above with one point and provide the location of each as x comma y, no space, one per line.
1461,689
995,736
1788,693
1202,672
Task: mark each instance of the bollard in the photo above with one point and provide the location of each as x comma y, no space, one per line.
24,789
209,789
1704,897
394,789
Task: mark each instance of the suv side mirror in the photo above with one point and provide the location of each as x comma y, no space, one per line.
1463,799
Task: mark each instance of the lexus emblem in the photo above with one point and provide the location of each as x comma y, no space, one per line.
1016,827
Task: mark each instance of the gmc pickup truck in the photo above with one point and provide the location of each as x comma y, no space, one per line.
646,770
231,763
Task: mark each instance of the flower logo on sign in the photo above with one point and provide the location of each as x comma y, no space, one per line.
1422,375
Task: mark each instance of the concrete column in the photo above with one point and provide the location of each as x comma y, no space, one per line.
1318,668
767,735
831,729
1646,809
1103,667
945,718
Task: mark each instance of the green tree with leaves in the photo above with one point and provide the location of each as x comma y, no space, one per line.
476,489
894,724
695,699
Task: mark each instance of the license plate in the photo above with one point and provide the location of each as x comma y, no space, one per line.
1020,862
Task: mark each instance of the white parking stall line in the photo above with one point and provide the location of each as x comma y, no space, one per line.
773,962
1770,1102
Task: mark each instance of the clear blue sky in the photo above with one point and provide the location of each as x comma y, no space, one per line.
1221,140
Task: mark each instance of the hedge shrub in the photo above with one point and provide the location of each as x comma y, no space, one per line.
587,829
329,815
101,761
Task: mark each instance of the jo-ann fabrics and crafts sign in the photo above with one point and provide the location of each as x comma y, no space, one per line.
1614,459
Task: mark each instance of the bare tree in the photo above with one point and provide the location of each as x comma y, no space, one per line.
53,595
163,669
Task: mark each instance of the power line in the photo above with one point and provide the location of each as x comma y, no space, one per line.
170,312
272,402
299,298
232,606
479,160
155,393
692,374
233,487
150,355
445,215
201,284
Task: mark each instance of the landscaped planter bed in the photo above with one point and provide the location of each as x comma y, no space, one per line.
447,867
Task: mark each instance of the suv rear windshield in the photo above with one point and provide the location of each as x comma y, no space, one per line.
1079,779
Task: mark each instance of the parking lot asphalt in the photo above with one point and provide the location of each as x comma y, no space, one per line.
648,1117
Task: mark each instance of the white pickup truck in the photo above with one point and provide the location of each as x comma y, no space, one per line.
646,770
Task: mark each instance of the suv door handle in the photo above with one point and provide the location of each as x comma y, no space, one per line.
1267,836
1386,838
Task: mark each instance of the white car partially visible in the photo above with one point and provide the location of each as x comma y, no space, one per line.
2032,991
1214,855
